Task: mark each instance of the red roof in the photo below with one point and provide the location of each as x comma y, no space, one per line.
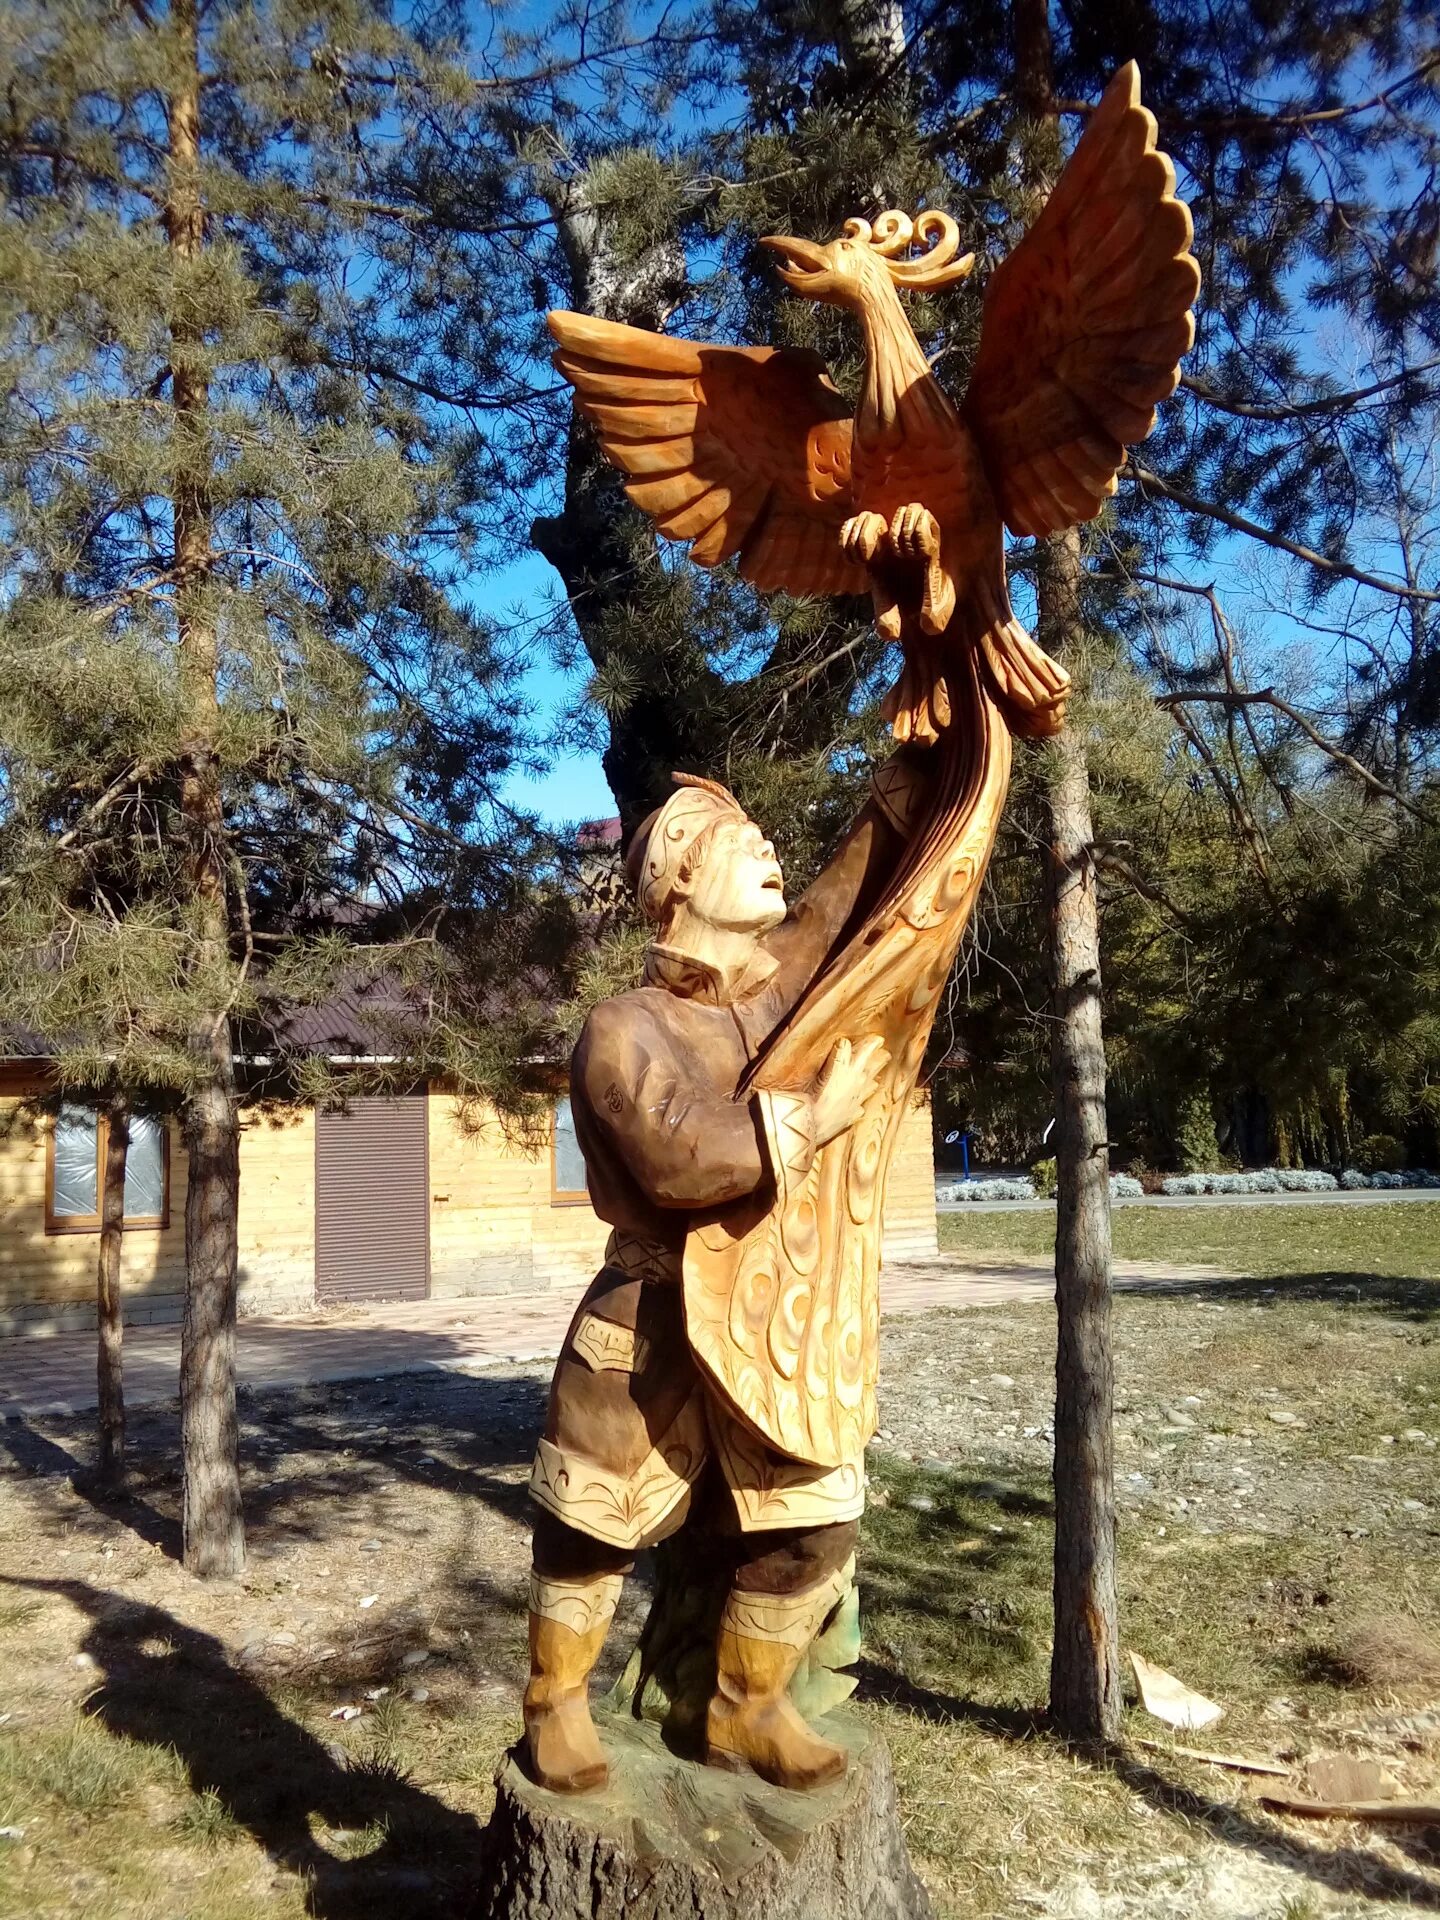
599,833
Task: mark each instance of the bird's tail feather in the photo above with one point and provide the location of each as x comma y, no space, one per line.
1029,686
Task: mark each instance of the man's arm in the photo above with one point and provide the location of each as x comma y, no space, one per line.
855,878
684,1141
682,1137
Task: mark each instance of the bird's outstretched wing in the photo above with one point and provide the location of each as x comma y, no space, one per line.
743,450
1085,323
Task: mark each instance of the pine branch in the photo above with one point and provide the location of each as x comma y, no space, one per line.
1109,862
468,402
63,842
64,157
1211,510
1302,409
1246,825
1257,121
1267,697
416,215
242,908
540,76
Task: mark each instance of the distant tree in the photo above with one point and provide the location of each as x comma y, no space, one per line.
1271,575
1293,479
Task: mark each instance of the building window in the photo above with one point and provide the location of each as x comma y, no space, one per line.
567,1163
76,1171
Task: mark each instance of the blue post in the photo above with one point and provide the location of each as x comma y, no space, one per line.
965,1152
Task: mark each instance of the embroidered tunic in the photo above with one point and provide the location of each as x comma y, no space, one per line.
632,1420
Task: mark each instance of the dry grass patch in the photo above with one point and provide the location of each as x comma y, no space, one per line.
1006,1821
1393,1652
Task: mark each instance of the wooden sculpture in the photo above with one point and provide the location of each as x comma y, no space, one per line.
737,1112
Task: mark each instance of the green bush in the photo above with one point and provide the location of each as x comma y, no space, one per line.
1196,1148
1378,1153
1043,1175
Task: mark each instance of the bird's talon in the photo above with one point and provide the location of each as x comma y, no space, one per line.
861,535
915,532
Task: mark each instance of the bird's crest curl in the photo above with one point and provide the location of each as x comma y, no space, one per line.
890,234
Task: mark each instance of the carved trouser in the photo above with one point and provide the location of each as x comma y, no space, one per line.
632,1423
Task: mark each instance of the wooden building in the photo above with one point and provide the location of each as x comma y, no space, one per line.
390,1199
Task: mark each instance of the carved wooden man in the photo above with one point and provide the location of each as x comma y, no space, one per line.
634,1420
738,1112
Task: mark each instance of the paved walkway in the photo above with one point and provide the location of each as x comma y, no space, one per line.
57,1374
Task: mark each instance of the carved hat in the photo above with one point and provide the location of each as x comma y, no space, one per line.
668,843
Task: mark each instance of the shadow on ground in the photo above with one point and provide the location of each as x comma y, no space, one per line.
1342,1870
1401,1294
171,1686
954,1573
953,1562
38,1454
308,1455
473,1437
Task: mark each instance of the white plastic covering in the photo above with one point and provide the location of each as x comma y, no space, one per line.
569,1161
77,1187
78,1171
145,1169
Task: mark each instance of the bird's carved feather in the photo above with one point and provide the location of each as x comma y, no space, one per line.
743,450
1085,323
749,452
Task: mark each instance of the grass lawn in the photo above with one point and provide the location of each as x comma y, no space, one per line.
168,1751
1403,1239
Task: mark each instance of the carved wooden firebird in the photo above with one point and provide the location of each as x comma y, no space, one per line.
752,455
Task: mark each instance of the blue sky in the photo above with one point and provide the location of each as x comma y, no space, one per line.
573,786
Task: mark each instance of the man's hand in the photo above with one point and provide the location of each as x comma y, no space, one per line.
845,1083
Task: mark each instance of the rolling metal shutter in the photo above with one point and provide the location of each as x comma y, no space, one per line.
372,1201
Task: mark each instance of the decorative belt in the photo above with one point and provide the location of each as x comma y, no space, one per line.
641,1258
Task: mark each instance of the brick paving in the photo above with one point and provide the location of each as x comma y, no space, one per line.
57,1373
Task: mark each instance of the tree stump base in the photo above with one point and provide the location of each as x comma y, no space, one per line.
668,1839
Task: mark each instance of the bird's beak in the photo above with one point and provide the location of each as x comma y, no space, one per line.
801,257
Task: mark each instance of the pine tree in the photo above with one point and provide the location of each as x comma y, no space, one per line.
240,685
1296,469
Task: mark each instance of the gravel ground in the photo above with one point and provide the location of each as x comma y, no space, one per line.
1267,1452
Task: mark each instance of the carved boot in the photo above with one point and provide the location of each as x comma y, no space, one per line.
752,1724
568,1624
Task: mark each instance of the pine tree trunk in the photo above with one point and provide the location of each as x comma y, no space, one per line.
213,1529
109,1374
1085,1664
213,1522
590,542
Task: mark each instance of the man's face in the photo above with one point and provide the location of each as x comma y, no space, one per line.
739,885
